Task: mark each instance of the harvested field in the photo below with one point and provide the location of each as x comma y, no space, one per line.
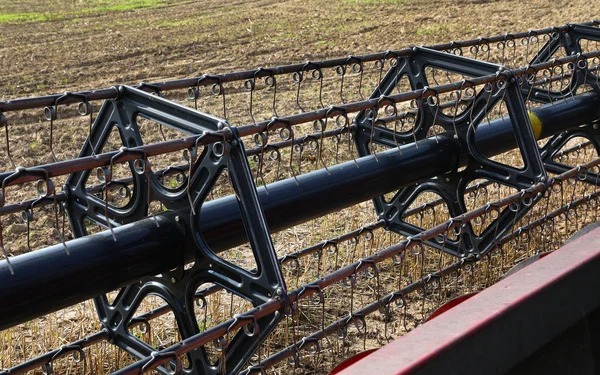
56,46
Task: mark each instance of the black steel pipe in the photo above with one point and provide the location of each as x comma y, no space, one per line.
290,202
47,280
50,279
547,120
321,192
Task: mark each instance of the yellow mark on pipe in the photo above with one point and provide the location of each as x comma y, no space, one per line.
536,124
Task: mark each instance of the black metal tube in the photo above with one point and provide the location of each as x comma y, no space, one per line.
324,191
553,118
290,202
47,280
50,279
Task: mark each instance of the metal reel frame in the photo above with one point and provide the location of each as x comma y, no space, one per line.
178,286
451,187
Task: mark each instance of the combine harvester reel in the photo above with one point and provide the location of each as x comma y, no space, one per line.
476,155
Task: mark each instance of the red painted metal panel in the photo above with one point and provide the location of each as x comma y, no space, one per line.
450,304
502,325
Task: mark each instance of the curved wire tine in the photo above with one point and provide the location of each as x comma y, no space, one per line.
357,66
286,133
320,126
65,350
250,85
381,102
431,103
154,90
270,81
582,64
317,74
251,329
457,101
379,66
225,144
59,208
49,192
530,79
575,66
343,121
374,111
502,79
312,142
160,357
298,77
217,88
46,190
27,216
274,155
193,93
262,140
394,112
192,155
143,166
85,108
311,343
4,252
4,124
558,71
50,113
341,72
105,176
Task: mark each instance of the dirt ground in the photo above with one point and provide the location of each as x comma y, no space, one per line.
55,46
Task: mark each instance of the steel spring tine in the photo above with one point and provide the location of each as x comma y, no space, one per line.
60,234
217,89
502,79
226,152
193,155
290,131
315,67
270,81
50,113
4,252
249,85
154,90
193,93
160,356
106,176
357,61
85,109
456,104
264,139
49,193
70,349
297,77
322,123
4,123
395,109
346,124
432,103
528,72
45,193
18,172
27,216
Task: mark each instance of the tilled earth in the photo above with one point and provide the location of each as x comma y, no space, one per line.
56,46
80,48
